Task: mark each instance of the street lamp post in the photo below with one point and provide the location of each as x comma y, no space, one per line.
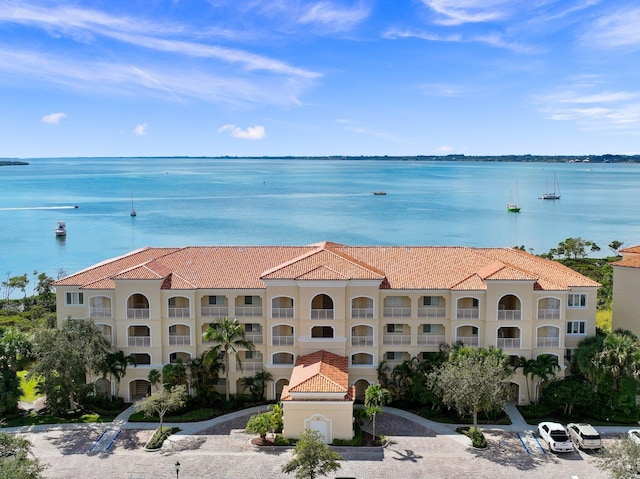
177,470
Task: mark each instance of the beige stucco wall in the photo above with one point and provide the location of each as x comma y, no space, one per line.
626,299
300,415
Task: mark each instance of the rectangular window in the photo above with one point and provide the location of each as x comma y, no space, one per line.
393,355
394,328
248,300
430,300
172,302
577,328
430,328
75,299
577,300
252,328
250,354
213,300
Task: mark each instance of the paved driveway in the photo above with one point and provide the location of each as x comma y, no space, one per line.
417,449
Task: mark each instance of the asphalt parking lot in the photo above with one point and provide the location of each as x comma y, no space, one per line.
220,449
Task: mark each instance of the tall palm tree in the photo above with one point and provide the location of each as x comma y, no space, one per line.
257,384
154,378
375,396
527,369
544,368
620,356
116,366
229,336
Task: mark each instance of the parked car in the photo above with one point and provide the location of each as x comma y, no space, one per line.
584,436
556,436
634,435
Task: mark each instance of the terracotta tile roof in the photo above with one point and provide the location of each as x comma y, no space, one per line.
631,249
395,267
319,372
631,262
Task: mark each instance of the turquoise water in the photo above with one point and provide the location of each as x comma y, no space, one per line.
184,201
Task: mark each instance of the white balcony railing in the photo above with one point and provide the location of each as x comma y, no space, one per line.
250,366
361,340
509,343
255,338
396,339
430,339
509,314
179,340
468,340
139,341
282,312
361,313
432,312
397,312
249,311
549,313
468,313
322,314
100,311
179,312
137,313
282,340
548,342
214,311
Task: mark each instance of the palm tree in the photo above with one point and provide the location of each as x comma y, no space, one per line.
116,366
620,356
544,367
375,397
257,384
527,370
154,378
229,336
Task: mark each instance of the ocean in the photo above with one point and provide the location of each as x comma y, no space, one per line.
204,201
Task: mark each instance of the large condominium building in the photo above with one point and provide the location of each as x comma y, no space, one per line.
366,303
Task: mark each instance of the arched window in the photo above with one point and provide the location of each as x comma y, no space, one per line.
322,307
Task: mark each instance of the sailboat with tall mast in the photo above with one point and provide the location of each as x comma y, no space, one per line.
133,210
555,195
513,206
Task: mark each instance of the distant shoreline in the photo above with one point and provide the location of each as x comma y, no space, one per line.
490,158
12,163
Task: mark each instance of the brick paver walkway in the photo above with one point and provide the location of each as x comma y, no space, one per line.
220,449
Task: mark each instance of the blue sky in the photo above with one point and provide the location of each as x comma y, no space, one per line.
319,77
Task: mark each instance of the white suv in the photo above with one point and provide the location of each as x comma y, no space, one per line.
584,436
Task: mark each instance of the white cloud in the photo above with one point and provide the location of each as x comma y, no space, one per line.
256,132
617,30
445,149
334,17
457,12
53,118
494,39
140,129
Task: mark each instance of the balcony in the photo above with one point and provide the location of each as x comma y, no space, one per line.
214,311
468,340
282,340
397,312
255,338
250,366
396,339
468,313
509,315
179,312
549,313
361,313
508,343
548,342
430,339
249,311
362,340
322,314
432,312
139,341
282,312
137,313
100,311
179,340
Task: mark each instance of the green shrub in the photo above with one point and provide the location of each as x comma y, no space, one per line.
159,437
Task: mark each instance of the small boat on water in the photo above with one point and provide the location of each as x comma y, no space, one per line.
61,229
555,195
133,211
513,206
379,193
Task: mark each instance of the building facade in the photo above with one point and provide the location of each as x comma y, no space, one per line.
367,303
626,293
